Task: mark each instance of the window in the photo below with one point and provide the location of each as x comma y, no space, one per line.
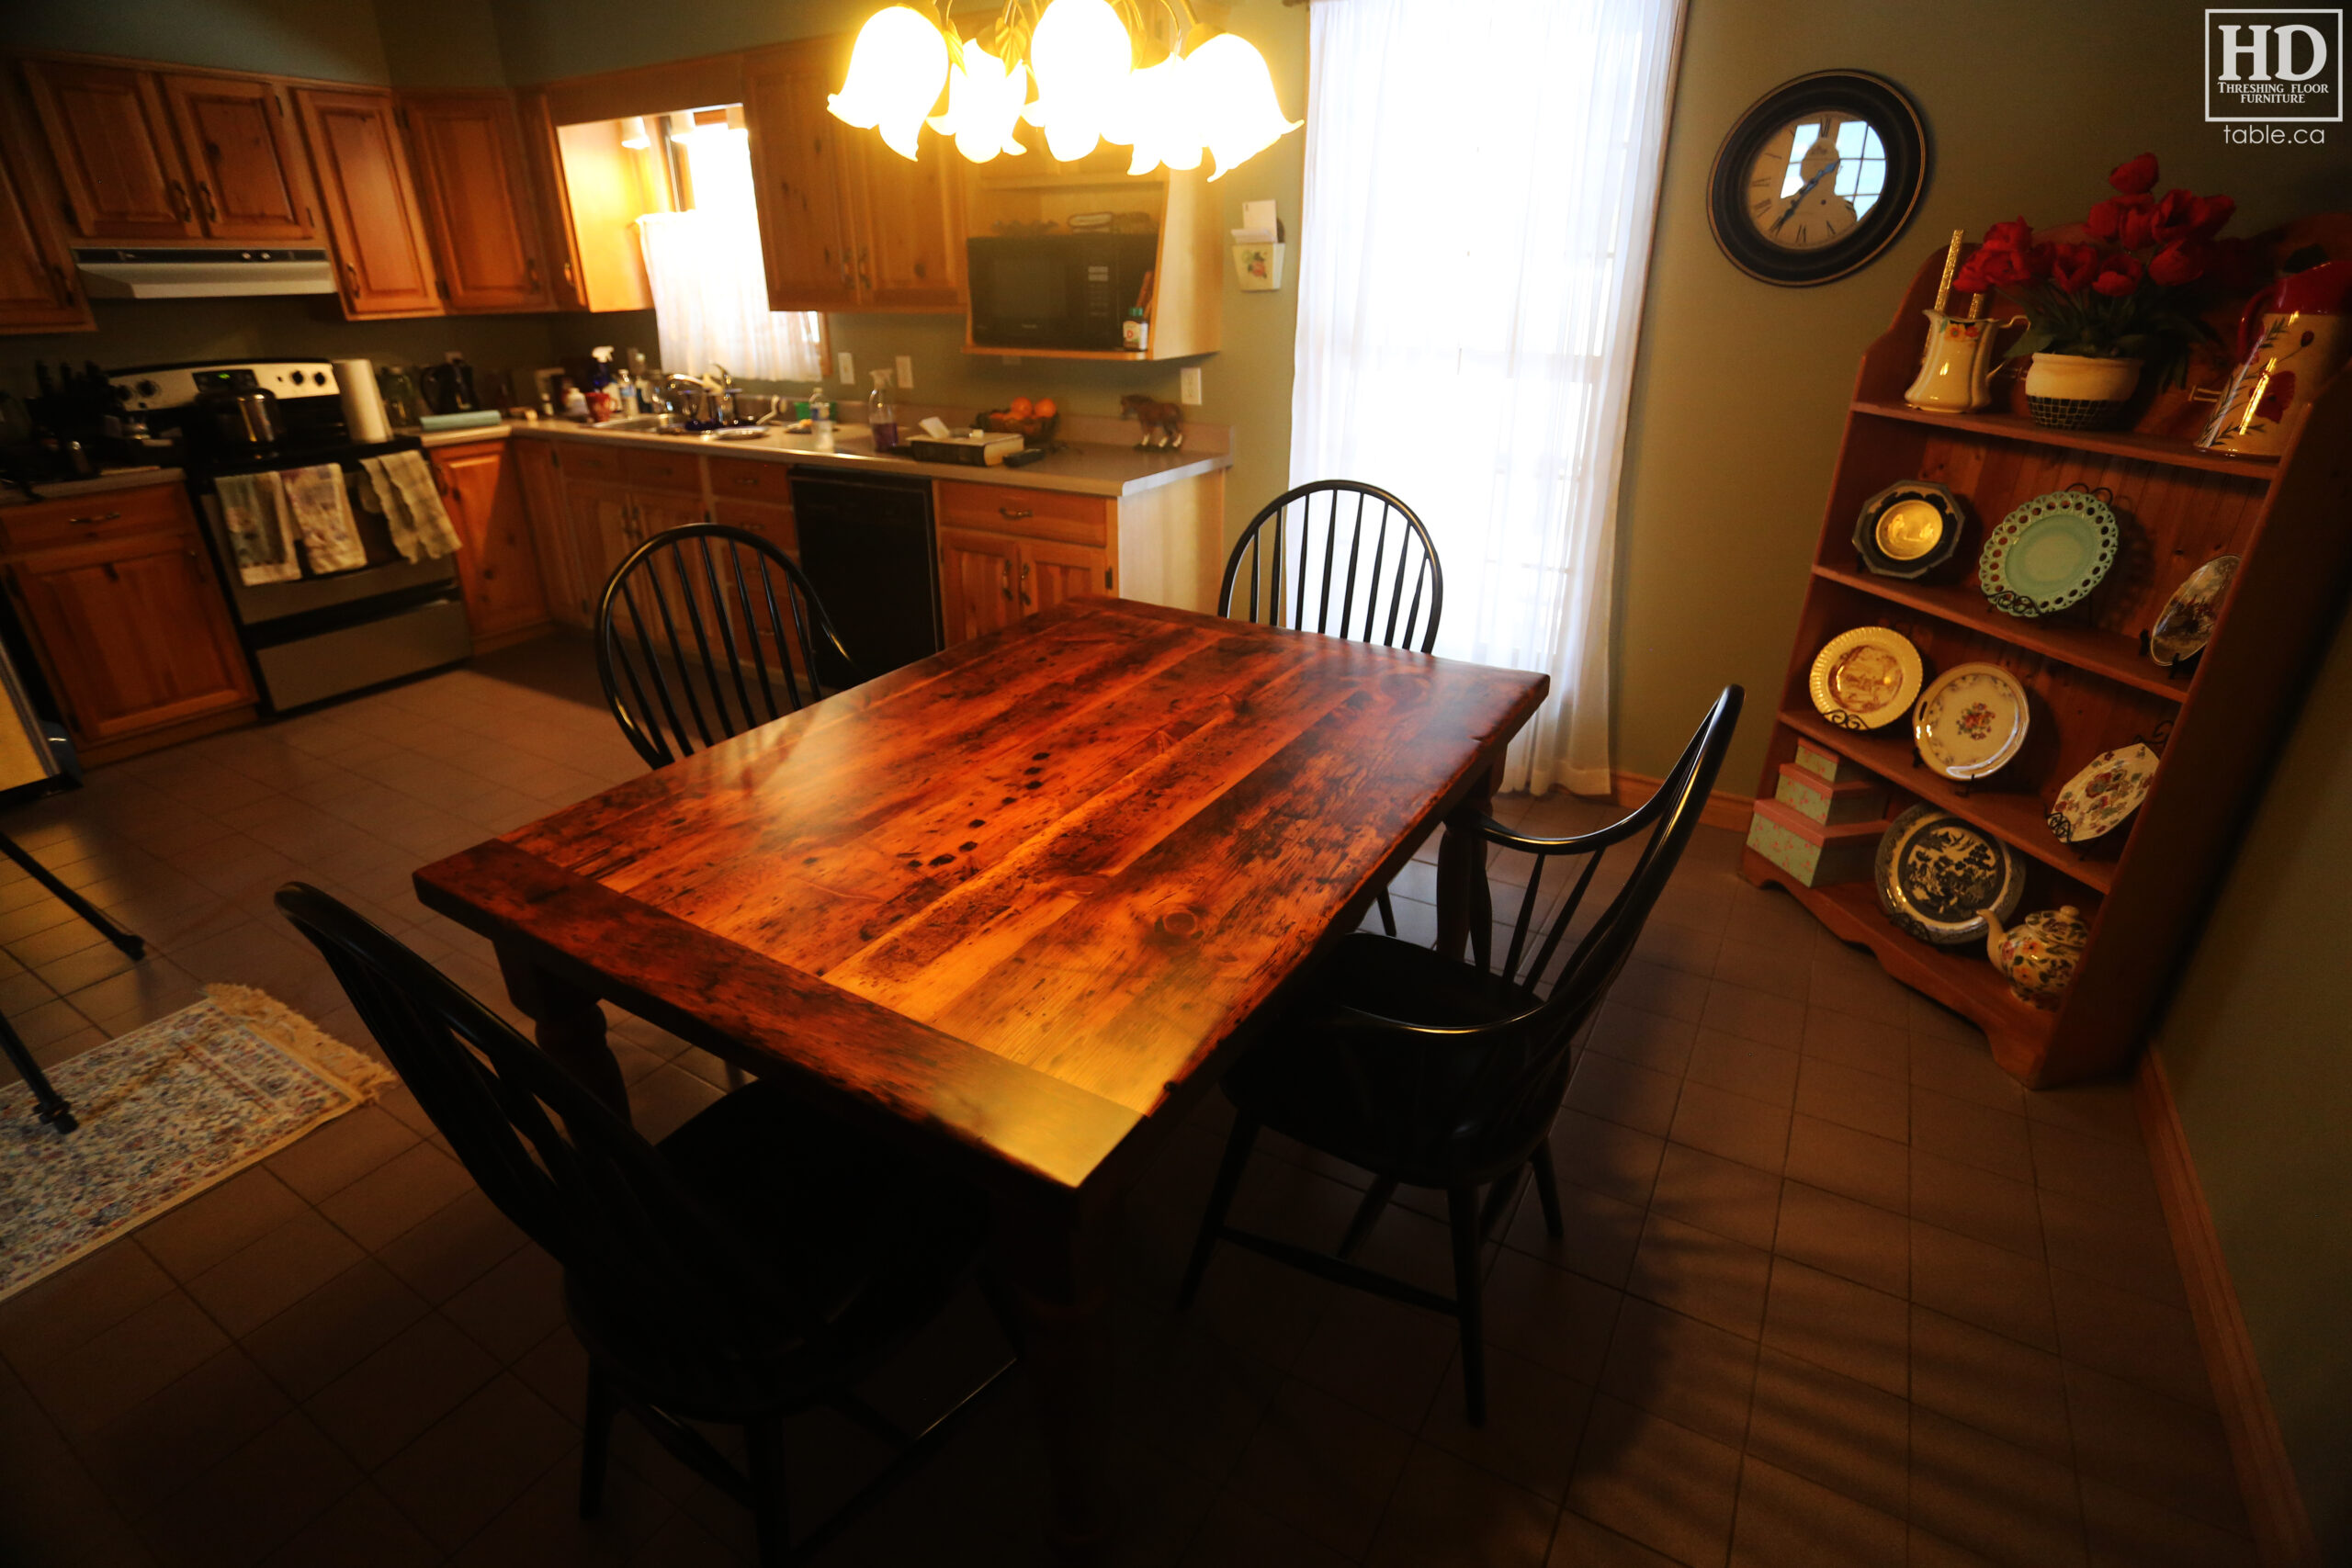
711,294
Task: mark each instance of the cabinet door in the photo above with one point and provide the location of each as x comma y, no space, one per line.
477,197
38,293
603,533
543,160
245,165
371,202
112,139
568,594
498,569
977,578
910,240
134,633
1051,572
798,178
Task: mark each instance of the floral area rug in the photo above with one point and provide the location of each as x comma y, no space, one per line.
166,1110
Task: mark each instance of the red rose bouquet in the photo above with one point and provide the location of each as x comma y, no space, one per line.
2128,290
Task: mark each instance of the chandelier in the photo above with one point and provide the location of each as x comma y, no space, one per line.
1215,96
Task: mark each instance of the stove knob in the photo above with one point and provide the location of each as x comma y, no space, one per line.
298,377
146,389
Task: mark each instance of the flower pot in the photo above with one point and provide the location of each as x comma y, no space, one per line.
2075,391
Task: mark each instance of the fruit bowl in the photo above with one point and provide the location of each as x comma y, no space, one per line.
1032,431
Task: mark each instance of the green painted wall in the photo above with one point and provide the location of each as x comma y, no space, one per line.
2258,1049
337,39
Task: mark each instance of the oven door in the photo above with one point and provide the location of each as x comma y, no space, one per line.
386,574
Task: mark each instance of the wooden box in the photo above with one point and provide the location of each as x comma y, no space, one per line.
1814,852
1832,805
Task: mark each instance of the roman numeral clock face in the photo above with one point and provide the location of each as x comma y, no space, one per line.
1817,177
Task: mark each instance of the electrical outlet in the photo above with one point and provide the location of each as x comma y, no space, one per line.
906,372
847,368
1188,385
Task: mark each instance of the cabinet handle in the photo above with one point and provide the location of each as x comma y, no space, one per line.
112,575
743,480
350,280
531,272
64,288
93,520
569,277
1014,513
176,195
204,202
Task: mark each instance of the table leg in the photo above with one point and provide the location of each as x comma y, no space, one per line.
1464,903
1053,1271
570,1026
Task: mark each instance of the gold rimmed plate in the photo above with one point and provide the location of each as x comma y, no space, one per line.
1908,529
1865,678
2103,796
1971,721
2185,623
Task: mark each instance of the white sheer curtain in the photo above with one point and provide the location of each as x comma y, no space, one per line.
1480,184
710,295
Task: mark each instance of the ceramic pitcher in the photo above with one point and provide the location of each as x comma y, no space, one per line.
2294,336
1956,371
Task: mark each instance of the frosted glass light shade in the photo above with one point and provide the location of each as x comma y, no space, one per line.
983,105
1233,100
1082,60
896,70
1156,119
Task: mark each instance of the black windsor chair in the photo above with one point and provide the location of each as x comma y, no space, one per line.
1284,572
1430,1072
759,1260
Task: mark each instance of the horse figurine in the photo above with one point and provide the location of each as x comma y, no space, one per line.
1163,424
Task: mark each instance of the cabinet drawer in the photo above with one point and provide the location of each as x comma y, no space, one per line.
663,470
773,524
1030,513
582,461
741,480
108,514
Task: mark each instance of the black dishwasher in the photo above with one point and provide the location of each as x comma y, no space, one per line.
865,542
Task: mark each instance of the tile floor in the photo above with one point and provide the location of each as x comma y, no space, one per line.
1834,1290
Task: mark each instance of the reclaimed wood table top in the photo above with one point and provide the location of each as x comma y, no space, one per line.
1019,891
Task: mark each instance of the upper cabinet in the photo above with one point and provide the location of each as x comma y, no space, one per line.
475,187
111,136
844,226
37,292
386,267
245,165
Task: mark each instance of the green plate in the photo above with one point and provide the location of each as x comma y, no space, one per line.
2049,553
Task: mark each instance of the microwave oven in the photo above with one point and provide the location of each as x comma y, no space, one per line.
1056,290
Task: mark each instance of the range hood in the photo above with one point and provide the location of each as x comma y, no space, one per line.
202,274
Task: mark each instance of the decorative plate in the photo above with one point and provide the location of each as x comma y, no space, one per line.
2185,623
2049,553
1865,678
2098,799
1934,872
1908,529
1972,721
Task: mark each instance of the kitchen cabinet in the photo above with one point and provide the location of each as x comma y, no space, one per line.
369,195
569,594
844,225
1005,552
498,569
118,599
247,174
37,291
110,134
976,576
476,191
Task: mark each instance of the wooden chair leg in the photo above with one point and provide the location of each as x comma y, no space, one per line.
1387,914
734,1078
1462,1213
1229,1180
1547,1188
764,1444
595,1441
1376,1203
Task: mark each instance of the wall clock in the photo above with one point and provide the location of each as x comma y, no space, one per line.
1819,176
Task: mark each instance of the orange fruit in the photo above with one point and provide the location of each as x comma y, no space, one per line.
1046,409
1021,408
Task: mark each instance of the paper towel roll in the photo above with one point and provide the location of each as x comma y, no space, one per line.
363,405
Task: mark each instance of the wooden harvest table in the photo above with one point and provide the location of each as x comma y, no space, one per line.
1016,904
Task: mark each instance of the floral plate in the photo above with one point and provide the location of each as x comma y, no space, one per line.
2049,553
1972,721
2185,623
2098,799
1935,873
1865,678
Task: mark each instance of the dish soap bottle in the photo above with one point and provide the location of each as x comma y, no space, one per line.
881,415
820,419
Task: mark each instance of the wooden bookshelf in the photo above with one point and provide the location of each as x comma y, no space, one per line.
2216,724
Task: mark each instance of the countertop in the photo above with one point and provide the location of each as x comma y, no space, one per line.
128,479
1082,469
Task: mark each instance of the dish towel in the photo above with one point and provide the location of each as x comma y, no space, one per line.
260,535
411,506
322,516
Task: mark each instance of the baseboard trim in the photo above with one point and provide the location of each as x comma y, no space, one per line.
2274,1503
1723,809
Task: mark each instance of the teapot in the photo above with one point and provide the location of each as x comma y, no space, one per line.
2039,954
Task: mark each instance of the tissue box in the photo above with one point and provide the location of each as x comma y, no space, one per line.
1848,800
973,451
1813,853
